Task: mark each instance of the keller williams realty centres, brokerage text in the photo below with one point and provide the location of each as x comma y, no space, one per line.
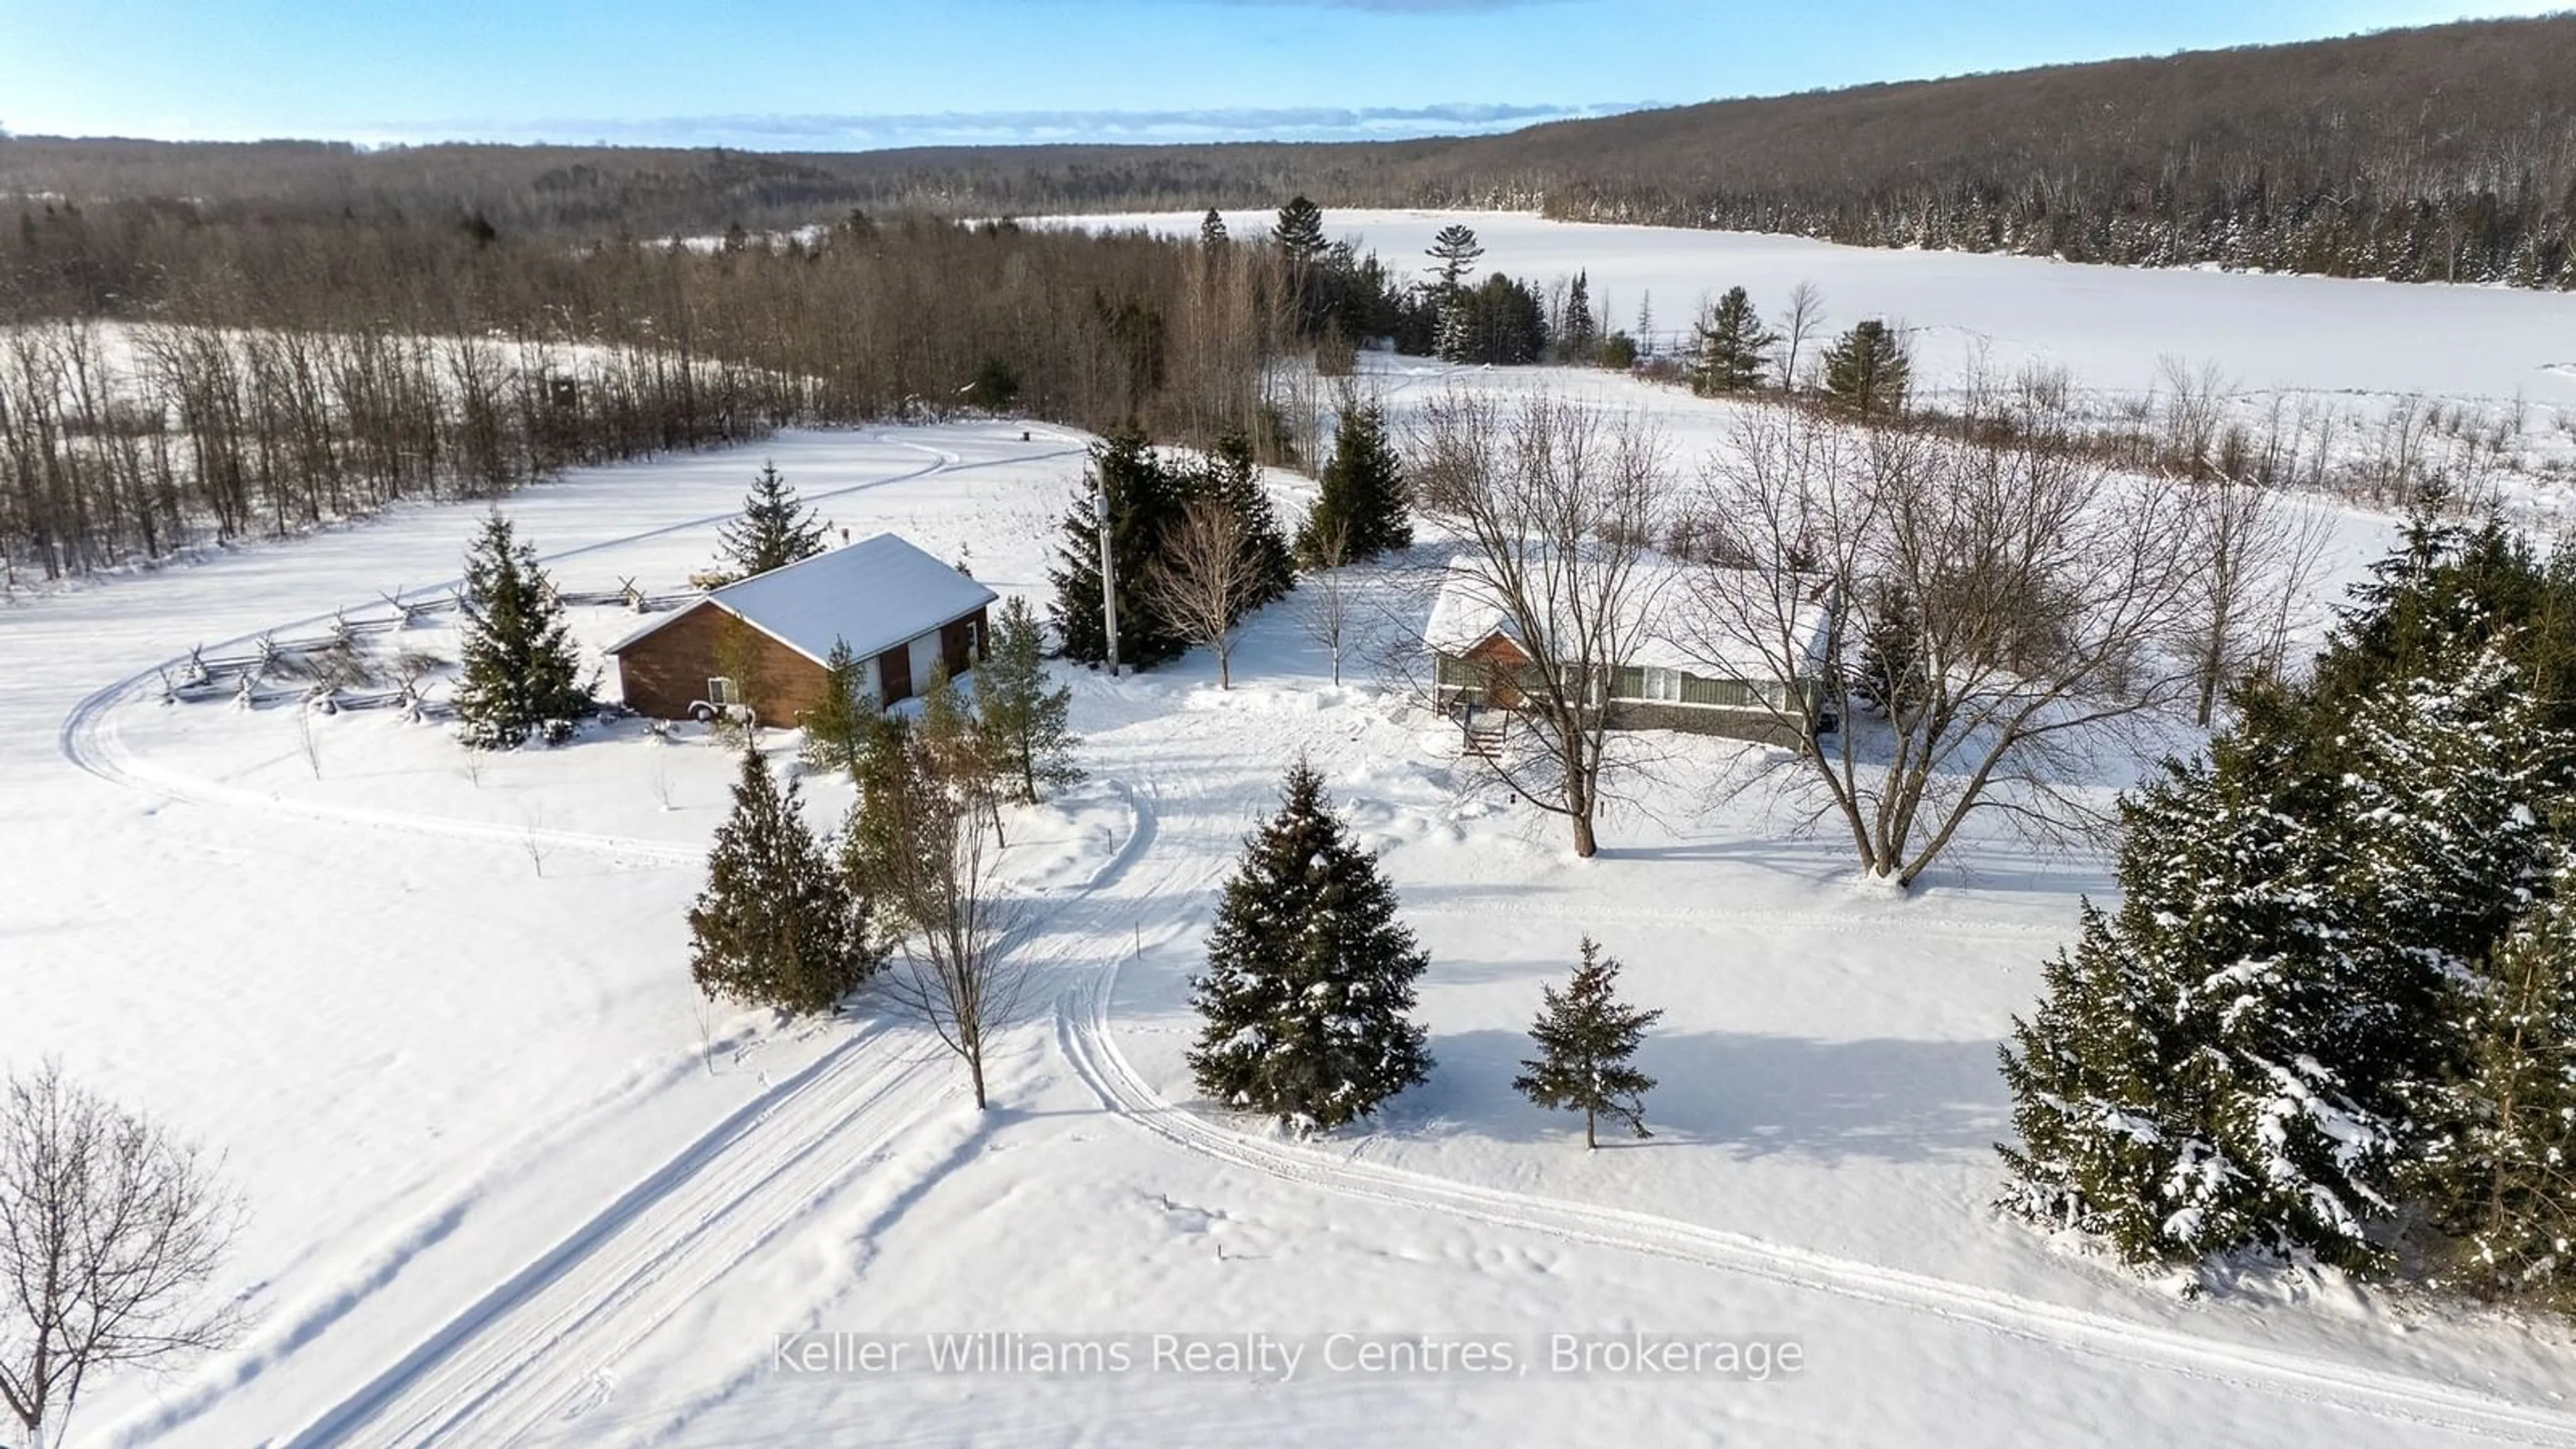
1285,1358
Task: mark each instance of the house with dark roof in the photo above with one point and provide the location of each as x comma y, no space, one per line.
764,642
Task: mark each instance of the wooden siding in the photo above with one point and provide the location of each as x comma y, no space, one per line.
666,671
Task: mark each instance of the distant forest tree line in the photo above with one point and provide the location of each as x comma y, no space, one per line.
2439,154
166,380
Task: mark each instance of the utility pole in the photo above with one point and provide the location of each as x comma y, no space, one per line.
1108,573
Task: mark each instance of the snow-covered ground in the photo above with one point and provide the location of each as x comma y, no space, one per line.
2479,382
511,1181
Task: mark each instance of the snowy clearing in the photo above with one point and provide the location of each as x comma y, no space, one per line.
511,1181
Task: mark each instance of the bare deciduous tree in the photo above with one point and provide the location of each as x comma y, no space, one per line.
109,1229
1553,504
1803,319
2258,555
918,848
1203,579
2028,595
1325,614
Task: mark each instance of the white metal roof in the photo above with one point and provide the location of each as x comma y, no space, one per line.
1666,621
872,595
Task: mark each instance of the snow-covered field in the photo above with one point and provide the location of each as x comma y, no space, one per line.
511,1181
2479,382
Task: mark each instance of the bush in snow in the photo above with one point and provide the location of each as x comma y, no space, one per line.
521,675
1585,1037
1309,976
776,925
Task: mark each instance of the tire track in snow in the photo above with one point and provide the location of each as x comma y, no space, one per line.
1084,1034
539,1349
508,1361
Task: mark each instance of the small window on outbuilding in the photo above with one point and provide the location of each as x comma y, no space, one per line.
721,691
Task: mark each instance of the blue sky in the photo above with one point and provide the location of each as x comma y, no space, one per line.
813,74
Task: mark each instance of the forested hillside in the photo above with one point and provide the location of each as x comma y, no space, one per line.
2446,154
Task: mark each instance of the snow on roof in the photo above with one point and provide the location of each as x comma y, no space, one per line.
872,595
1668,622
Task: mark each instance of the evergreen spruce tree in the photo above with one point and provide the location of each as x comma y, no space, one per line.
1732,347
1453,329
1027,726
1212,230
1364,494
1866,370
2442,850
2169,1094
1144,502
1581,339
1585,1036
2499,1170
520,676
1891,677
1309,976
775,530
776,924
837,724
1231,479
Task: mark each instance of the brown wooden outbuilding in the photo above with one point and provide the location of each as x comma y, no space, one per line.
764,642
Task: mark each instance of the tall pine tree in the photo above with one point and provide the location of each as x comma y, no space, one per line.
1143,502
1453,254
776,924
1026,724
521,676
775,529
1579,340
1309,976
1585,1036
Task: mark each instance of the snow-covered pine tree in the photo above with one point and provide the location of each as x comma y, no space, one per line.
1364,493
520,674
2443,850
1027,725
1230,478
1453,328
775,529
1144,502
1212,230
2499,1170
1309,976
836,726
2168,1093
1732,349
1585,1036
776,924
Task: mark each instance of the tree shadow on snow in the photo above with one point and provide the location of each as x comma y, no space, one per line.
1751,1094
